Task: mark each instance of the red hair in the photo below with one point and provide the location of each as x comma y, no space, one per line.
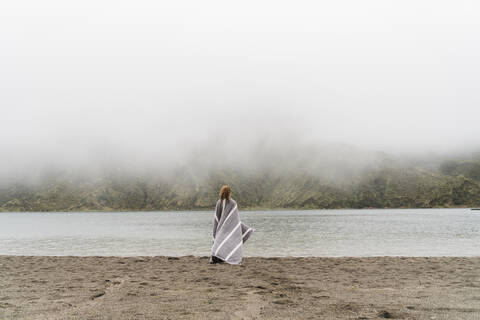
225,192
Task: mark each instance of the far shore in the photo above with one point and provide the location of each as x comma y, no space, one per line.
245,209
189,287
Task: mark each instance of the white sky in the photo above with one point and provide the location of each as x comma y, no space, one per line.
82,78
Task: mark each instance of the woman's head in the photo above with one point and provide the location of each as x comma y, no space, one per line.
225,192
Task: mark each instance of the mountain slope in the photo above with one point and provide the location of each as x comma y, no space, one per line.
383,187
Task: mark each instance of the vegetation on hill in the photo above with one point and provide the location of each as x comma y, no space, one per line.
380,182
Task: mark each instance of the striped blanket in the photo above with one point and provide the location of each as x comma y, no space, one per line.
229,233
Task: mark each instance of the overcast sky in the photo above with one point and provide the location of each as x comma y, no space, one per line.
82,78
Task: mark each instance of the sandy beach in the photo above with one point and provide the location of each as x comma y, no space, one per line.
261,288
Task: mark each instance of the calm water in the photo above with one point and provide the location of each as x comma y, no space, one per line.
418,232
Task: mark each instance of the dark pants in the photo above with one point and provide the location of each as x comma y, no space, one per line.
216,260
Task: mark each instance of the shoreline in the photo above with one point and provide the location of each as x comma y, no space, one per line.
160,287
244,257
250,209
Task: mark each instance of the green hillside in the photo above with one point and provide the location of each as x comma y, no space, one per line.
387,184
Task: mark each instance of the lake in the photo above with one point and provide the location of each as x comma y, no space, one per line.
333,233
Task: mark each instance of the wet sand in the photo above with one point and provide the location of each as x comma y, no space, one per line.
262,288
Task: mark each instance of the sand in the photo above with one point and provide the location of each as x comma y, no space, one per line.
262,288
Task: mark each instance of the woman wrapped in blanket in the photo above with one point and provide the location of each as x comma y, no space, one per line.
229,233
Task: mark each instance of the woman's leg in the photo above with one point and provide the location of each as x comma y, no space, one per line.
216,260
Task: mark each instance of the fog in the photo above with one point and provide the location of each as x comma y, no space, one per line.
156,83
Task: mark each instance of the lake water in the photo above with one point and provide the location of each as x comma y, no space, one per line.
398,232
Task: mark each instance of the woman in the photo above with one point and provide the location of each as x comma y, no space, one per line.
229,233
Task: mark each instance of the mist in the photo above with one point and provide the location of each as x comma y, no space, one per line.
153,85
